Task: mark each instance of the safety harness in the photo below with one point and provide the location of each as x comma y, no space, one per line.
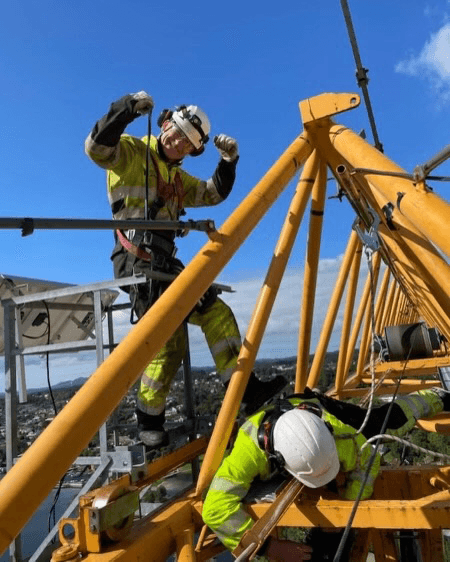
154,243
153,248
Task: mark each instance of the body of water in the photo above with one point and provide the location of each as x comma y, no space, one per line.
37,528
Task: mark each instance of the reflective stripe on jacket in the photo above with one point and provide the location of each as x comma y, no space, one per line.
417,405
223,511
126,180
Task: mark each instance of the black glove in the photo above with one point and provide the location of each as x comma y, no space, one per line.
121,113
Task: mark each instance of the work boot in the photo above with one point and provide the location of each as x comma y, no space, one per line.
258,392
444,395
151,430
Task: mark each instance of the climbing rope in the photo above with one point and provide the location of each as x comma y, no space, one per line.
372,458
369,254
407,444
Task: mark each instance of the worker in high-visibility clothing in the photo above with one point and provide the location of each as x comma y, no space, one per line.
144,175
313,438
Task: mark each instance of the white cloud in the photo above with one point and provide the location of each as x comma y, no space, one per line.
433,62
281,335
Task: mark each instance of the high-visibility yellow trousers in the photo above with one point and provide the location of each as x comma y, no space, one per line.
224,341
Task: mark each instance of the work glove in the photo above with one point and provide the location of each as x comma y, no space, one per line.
227,146
143,104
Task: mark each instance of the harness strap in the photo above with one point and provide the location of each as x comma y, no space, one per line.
166,190
130,247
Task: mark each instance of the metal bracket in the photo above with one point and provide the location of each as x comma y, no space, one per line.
388,211
27,226
327,105
130,460
421,172
371,238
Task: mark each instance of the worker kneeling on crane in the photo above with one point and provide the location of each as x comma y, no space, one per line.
312,437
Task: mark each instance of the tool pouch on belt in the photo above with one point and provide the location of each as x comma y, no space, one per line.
142,296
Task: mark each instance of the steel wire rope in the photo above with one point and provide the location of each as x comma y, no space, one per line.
52,510
407,443
391,173
344,537
361,72
369,254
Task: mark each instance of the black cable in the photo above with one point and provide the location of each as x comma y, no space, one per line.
348,527
47,356
37,337
147,165
52,511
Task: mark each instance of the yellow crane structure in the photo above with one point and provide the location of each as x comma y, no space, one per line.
403,228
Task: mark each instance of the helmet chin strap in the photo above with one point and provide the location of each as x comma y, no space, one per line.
278,459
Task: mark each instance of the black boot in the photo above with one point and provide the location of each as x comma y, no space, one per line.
258,392
151,430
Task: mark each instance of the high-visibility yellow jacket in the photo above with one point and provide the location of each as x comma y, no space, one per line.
126,181
125,156
223,511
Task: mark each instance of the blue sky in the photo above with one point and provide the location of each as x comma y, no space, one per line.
247,65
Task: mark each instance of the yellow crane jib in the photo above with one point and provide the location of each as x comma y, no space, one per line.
327,105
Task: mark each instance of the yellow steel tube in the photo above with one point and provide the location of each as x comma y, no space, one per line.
185,545
364,303
28,483
365,342
361,309
412,202
418,255
402,308
393,309
399,318
266,298
348,315
417,248
380,301
420,295
310,276
411,229
388,304
426,307
419,290
332,311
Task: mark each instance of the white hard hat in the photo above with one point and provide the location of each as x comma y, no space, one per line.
307,446
194,123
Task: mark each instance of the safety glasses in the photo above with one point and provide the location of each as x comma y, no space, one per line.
182,135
